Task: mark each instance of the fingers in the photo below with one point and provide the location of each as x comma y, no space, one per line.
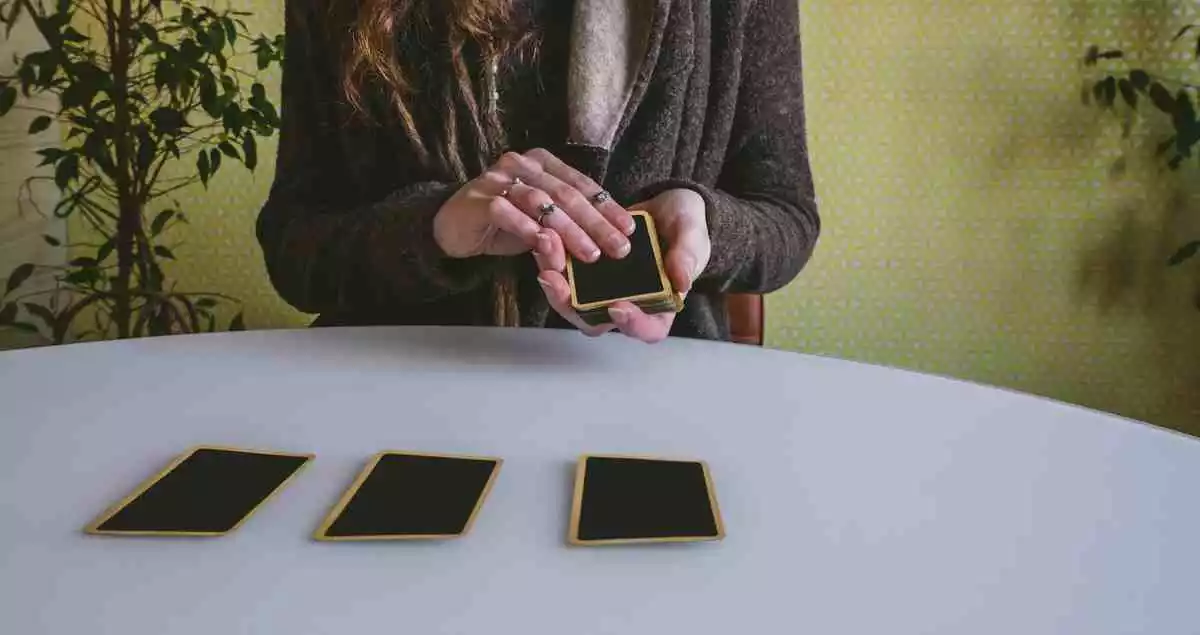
558,294
616,215
541,170
506,217
575,239
633,322
549,252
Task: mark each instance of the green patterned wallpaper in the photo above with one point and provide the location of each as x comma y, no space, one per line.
970,226
970,229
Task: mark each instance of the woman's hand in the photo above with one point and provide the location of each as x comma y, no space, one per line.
679,215
506,209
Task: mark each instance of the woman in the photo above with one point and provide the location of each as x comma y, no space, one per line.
439,158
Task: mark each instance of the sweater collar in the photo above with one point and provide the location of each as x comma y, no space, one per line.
614,46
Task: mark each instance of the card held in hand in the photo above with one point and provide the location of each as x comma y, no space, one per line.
640,278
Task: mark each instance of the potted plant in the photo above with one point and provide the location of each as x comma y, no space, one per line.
1133,92
153,97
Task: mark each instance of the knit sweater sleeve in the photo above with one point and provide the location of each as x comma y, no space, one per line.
325,252
762,213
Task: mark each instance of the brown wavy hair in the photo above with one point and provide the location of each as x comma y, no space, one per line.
431,64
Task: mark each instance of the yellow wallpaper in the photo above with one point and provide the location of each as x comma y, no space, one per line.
970,229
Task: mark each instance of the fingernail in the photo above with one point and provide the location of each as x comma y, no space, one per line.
620,246
630,227
594,255
545,285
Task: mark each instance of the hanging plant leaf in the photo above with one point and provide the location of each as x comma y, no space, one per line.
40,124
160,221
1184,253
18,277
42,313
1162,98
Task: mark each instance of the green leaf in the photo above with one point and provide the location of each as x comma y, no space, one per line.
167,120
250,151
208,95
8,98
40,124
1184,113
263,57
1128,93
230,29
82,277
69,34
164,252
8,314
66,171
203,167
206,303
1140,79
1162,98
83,262
145,150
214,160
42,313
160,221
228,150
1184,253
18,277
51,240
50,155
215,37
238,323
233,118
105,250
148,31
24,326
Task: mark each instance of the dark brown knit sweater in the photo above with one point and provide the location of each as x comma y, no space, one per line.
648,95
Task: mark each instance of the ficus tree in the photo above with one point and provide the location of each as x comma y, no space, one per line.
1131,91
153,96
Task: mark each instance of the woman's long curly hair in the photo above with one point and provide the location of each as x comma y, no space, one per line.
431,65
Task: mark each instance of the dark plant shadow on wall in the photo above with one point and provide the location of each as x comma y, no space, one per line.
1141,212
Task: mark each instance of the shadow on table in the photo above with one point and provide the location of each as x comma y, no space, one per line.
466,349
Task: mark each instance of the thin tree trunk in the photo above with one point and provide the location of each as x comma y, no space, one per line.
129,213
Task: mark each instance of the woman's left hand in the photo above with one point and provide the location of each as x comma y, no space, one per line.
679,215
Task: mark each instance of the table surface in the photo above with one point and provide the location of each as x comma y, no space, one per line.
857,499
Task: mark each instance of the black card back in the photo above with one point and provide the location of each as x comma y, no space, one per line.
209,492
610,279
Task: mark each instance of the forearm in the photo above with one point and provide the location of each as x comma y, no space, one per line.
328,260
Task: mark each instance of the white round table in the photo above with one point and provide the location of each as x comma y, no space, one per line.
857,499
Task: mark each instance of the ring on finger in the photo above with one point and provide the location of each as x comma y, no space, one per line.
545,210
601,197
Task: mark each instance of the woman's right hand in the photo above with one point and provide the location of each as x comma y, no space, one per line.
498,213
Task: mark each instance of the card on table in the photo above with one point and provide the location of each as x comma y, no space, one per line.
640,278
622,500
407,496
207,491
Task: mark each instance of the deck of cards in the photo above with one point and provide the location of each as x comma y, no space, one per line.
640,278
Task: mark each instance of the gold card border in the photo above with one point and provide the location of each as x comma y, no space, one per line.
336,511
658,261
577,504
94,527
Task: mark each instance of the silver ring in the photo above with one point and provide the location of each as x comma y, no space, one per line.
544,210
601,197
